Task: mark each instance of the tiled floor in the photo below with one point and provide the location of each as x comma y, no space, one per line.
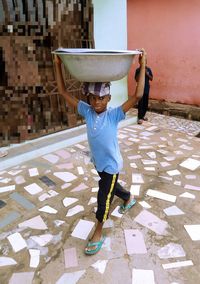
54,193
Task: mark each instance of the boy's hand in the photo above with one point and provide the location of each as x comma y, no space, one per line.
57,59
143,57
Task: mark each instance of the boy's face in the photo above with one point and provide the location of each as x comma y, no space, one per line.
98,103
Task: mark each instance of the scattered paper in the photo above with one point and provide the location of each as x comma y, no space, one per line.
161,195
51,158
82,229
173,211
42,240
116,213
71,278
152,222
192,187
190,164
80,170
92,200
177,264
137,178
69,201
22,278
65,176
134,242
141,276
70,258
5,261
75,210
17,242
48,209
100,265
34,223
173,173
187,195
33,188
80,187
33,172
135,189
144,204
34,257
7,188
171,250
193,231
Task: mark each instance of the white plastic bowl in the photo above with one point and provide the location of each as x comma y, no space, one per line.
93,65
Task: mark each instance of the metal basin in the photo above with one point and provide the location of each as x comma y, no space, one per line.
93,65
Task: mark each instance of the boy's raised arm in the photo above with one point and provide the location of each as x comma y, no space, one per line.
140,85
72,101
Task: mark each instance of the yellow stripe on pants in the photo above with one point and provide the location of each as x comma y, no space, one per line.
108,198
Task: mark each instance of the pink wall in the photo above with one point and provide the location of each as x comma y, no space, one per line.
170,33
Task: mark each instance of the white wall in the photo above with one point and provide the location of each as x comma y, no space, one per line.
110,32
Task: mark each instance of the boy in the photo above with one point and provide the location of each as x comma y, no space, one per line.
102,138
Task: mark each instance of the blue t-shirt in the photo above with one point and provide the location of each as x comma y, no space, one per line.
102,137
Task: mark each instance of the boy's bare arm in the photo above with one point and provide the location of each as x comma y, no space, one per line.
140,85
72,101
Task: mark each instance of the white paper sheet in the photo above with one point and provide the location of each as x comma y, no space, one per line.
193,231
7,188
34,257
141,276
42,240
173,173
92,200
171,250
115,213
33,188
65,176
100,265
34,223
135,189
173,211
75,210
187,195
192,187
17,242
134,242
53,159
69,201
190,164
33,172
80,170
144,204
177,264
48,209
71,278
137,178
161,195
5,261
82,229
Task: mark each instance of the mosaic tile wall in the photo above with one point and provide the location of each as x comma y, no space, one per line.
30,105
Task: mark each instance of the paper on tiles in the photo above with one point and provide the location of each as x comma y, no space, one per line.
14,172
135,189
144,147
66,166
69,200
107,244
116,213
152,222
80,187
5,261
66,185
149,168
161,195
144,204
5,180
134,242
134,139
71,278
34,257
49,194
48,209
193,231
75,210
167,178
173,173
190,177
178,152
133,165
192,187
100,265
42,240
141,276
17,242
53,159
187,195
7,188
82,229
190,164
70,257
169,158
177,182
92,200
164,164
80,170
173,211
152,155
146,133
34,223
33,188
149,162
171,250
135,157
177,264
137,178
33,172
58,223
63,154
19,179
22,278
186,147
65,176
80,146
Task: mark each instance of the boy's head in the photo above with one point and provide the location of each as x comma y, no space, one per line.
98,93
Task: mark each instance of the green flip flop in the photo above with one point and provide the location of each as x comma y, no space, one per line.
98,246
124,208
